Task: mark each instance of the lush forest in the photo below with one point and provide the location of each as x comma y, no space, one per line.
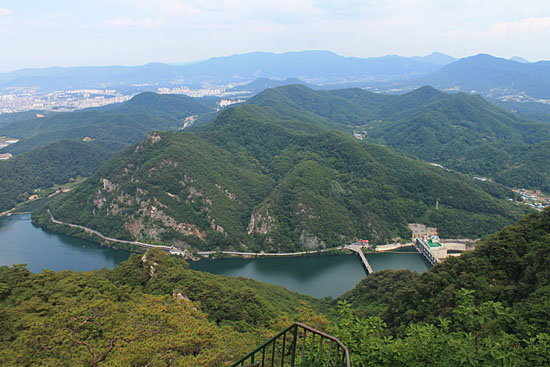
147,311
455,130
62,146
489,307
274,179
48,166
124,123
9,118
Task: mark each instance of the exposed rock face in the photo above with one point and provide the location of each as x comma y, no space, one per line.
135,227
149,264
260,224
216,227
226,192
108,185
309,241
187,229
154,138
99,199
193,191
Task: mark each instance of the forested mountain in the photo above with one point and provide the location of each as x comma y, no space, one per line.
65,145
493,76
46,166
529,110
275,178
124,123
488,307
8,118
460,131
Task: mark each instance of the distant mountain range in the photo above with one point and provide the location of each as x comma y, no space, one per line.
437,58
487,75
312,66
492,77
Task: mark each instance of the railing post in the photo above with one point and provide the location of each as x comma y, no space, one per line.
294,342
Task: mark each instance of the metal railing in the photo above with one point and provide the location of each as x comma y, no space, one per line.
298,345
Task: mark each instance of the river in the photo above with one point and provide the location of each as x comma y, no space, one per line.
21,242
317,276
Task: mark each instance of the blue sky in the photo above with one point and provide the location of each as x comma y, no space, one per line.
131,32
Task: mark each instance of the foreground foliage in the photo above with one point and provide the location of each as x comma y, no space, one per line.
150,311
487,308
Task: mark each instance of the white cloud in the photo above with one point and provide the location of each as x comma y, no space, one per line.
527,26
4,11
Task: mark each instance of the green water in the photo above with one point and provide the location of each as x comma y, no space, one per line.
317,276
21,242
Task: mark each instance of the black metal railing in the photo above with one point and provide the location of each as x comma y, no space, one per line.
298,345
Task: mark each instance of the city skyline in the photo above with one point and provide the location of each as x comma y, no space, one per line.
122,32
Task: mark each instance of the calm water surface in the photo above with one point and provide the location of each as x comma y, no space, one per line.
21,242
317,276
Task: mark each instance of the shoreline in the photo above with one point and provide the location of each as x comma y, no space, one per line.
207,255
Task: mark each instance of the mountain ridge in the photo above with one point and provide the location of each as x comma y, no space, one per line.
271,178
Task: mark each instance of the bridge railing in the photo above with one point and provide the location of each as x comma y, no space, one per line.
298,345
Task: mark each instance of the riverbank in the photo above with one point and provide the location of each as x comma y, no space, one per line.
196,256
187,254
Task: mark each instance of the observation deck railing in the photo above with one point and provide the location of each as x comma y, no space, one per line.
298,345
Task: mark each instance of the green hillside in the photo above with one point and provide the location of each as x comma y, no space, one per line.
488,307
151,310
125,123
257,179
53,146
47,166
449,129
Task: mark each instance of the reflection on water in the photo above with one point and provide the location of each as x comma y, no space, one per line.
21,242
317,276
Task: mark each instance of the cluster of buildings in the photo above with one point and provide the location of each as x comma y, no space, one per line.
216,91
534,198
20,99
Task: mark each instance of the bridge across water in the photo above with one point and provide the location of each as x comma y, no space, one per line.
358,250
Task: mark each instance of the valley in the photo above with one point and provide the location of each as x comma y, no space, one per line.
275,183
291,171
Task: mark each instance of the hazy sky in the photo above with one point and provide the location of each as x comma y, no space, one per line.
40,33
